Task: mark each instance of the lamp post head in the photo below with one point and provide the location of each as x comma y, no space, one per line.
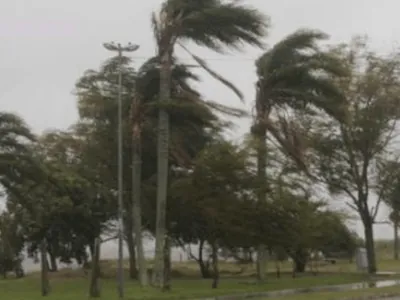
117,47
110,46
130,47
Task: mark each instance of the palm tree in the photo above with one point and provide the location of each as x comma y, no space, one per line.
143,114
294,75
191,117
232,26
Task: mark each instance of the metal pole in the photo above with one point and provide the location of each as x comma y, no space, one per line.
120,276
120,183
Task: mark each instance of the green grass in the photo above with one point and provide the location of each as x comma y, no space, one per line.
76,288
186,284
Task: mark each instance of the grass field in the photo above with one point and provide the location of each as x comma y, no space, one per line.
186,284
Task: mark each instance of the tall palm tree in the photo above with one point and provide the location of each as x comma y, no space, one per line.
143,115
293,75
215,24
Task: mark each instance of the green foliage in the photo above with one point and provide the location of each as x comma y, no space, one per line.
389,187
233,24
350,151
11,244
15,158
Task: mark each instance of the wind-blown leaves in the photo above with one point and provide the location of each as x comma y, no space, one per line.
233,24
296,77
16,160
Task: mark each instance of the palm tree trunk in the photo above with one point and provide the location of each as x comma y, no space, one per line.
396,240
167,264
262,180
130,241
162,167
136,207
44,269
261,263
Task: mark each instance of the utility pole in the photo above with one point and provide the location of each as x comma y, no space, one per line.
120,50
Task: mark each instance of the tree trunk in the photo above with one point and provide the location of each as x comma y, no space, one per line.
261,263
260,134
369,244
19,270
162,166
396,241
215,269
94,290
204,267
53,261
136,205
300,258
133,274
85,264
45,284
278,268
167,265
299,266
92,245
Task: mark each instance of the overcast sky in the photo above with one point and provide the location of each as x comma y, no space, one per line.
46,45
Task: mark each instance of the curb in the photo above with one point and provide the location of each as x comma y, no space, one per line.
326,288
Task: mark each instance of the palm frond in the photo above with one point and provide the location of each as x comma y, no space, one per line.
218,25
155,25
289,49
227,110
215,75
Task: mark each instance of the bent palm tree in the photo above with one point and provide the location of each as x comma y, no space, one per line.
143,113
181,20
294,75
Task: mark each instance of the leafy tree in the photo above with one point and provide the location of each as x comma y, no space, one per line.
15,156
11,245
189,20
350,150
389,189
70,192
336,239
213,197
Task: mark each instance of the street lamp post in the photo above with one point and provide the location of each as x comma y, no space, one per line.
120,50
